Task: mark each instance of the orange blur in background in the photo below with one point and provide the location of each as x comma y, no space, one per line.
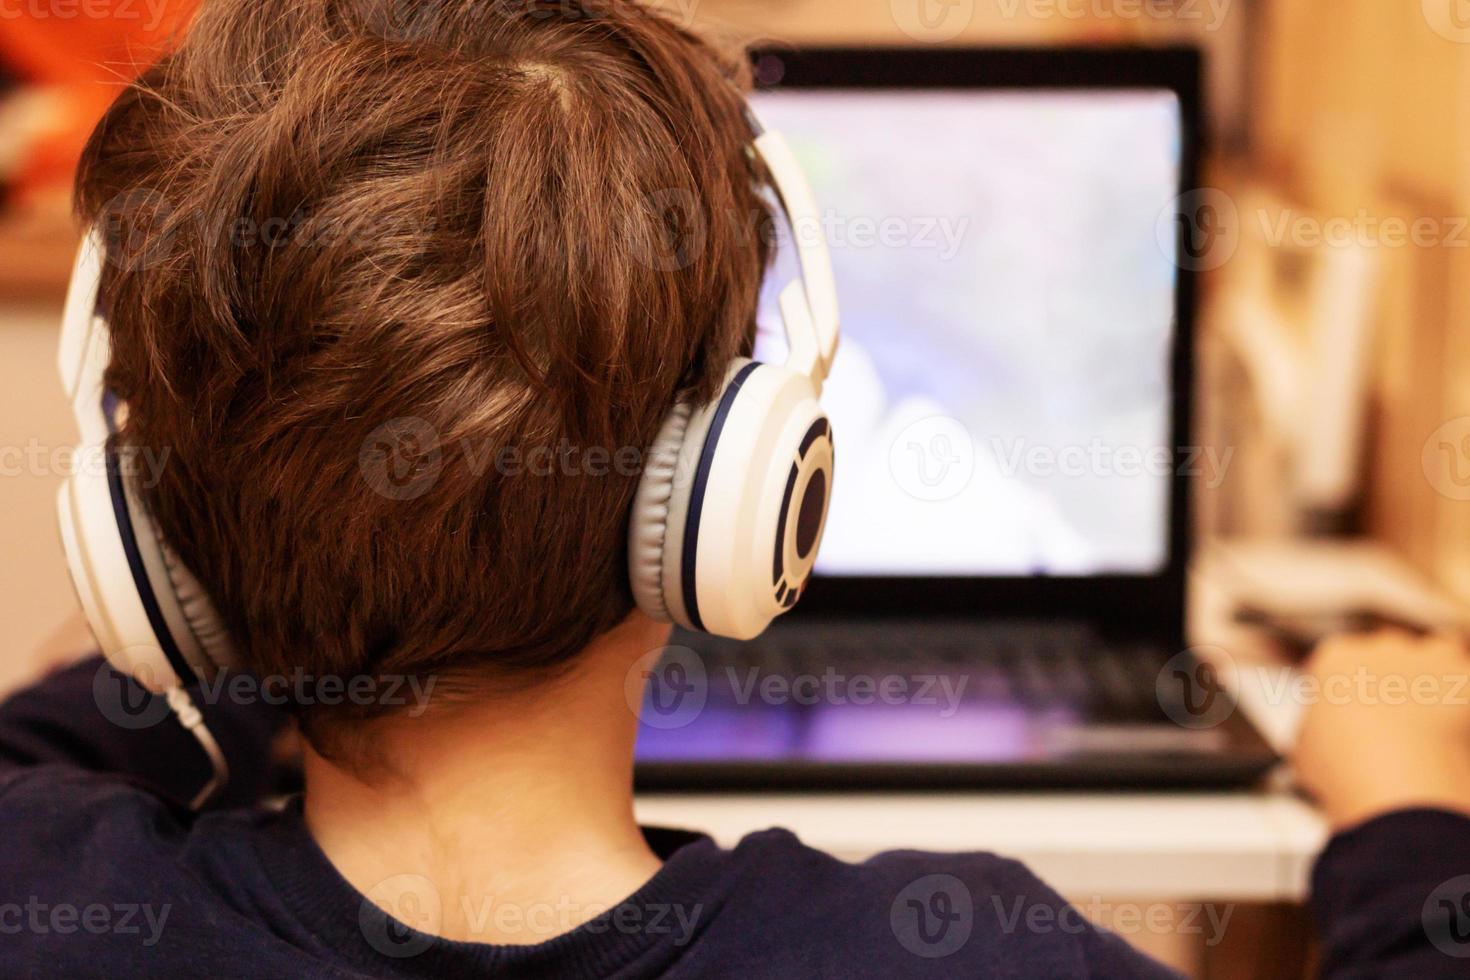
78,62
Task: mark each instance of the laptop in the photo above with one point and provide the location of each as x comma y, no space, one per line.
999,599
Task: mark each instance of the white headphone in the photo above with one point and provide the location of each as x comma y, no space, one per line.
725,525
733,499
150,615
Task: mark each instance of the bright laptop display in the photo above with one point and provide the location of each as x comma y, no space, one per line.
1005,260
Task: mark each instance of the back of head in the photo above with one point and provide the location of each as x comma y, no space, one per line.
404,291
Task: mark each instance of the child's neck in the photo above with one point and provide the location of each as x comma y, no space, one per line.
522,802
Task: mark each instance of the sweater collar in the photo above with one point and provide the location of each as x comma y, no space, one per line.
651,927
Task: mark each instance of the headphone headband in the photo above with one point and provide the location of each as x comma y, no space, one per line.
808,306
81,357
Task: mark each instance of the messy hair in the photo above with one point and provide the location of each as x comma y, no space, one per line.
406,288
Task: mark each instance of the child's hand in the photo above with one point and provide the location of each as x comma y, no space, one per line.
1388,726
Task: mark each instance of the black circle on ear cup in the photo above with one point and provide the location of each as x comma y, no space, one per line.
809,516
688,582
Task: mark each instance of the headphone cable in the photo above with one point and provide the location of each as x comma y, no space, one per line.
193,721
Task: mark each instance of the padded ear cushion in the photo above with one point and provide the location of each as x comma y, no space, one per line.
184,610
198,611
648,525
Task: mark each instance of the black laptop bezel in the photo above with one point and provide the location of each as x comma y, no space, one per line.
1132,606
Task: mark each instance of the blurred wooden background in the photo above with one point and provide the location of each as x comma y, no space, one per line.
1360,106
1341,108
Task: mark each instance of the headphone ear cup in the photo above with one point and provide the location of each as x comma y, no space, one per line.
746,503
100,574
150,615
649,523
198,612
190,625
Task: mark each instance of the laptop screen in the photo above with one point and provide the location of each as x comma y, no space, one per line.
1001,401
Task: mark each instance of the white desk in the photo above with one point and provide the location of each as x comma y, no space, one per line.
1246,847
1241,847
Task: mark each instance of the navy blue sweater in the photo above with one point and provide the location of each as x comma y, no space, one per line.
101,874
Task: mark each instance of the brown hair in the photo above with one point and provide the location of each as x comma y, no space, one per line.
363,256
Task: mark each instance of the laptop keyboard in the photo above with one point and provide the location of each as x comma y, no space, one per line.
1041,667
